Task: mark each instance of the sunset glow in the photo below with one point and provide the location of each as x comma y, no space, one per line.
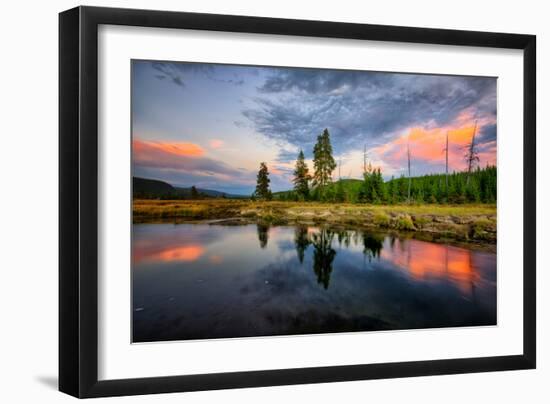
183,253
429,145
429,261
166,251
177,148
210,125
216,143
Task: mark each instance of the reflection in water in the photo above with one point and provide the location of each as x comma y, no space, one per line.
323,255
372,245
301,241
425,261
344,238
263,234
211,281
183,253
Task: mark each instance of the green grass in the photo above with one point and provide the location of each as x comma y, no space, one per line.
220,208
475,222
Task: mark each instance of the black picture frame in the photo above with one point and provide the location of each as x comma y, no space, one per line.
78,201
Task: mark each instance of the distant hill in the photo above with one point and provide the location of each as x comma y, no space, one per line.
186,193
146,188
156,189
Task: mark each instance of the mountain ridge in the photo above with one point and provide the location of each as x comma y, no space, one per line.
147,188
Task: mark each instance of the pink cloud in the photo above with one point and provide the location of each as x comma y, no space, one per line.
177,148
184,158
427,144
215,143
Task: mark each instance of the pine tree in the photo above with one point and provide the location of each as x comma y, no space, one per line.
392,191
433,192
379,194
323,161
481,187
262,183
301,178
366,192
194,193
403,187
340,194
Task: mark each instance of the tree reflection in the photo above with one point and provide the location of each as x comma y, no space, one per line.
301,241
344,238
372,245
263,234
323,256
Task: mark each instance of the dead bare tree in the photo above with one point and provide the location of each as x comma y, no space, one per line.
364,158
471,155
447,161
409,165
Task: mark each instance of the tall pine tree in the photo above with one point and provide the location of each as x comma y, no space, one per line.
301,178
262,183
323,161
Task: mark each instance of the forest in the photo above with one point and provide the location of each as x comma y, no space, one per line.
475,185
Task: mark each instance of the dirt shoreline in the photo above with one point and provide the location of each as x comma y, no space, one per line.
472,224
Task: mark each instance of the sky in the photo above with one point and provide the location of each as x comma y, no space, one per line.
211,125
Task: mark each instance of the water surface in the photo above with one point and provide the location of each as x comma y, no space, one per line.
202,281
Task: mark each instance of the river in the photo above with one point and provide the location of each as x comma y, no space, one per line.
203,281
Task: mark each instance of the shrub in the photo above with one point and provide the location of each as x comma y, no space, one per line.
481,229
381,219
421,221
404,222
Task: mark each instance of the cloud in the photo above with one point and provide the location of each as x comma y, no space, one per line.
427,146
295,105
239,124
177,71
215,143
177,148
171,71
173,246
285,155
184,164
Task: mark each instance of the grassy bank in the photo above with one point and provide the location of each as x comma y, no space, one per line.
460,222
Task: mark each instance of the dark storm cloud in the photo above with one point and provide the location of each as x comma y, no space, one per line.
295,105
286,155
488,133
172,71
177,71
239,124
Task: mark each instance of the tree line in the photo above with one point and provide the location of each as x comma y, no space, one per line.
475,185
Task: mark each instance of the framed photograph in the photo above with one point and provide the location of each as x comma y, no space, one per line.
251,201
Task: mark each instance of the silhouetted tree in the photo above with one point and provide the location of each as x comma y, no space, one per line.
262,183
323,161
301,178
194,193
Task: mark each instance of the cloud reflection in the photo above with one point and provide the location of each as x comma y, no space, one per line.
428,261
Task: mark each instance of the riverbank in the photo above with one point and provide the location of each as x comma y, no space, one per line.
469,223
